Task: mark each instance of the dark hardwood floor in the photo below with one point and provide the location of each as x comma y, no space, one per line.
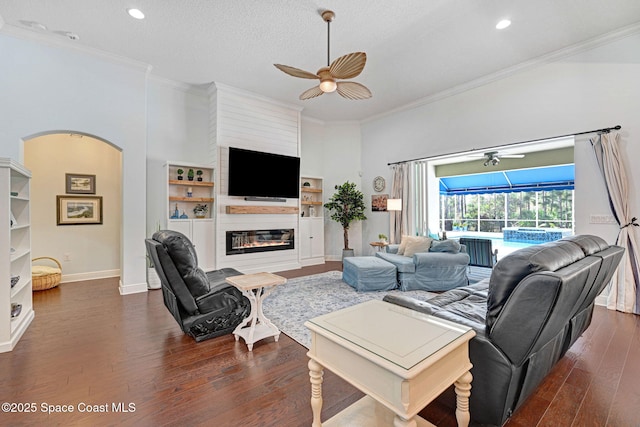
93,350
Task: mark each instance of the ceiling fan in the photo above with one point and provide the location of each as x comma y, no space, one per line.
493,157
345,67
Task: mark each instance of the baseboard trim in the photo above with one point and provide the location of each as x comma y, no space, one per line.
79,277
135,288
10,345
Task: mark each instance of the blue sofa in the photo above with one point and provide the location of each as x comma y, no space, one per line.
444,267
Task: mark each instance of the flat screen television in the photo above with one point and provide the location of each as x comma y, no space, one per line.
258,174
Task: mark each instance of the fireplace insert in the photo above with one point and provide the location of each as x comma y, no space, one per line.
250,241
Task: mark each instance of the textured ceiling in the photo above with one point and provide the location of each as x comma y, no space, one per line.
415,48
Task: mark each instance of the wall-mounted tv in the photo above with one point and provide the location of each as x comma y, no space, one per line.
258,174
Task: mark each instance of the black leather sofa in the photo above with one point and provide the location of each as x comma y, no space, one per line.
535,305
203,304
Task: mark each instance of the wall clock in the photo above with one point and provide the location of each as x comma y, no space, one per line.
378,183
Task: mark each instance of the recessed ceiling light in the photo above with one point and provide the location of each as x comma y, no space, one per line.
503,24
135,13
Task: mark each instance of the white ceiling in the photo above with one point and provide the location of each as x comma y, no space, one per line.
416,48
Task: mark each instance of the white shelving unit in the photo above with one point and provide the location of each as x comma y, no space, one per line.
311,221
15,253
201,231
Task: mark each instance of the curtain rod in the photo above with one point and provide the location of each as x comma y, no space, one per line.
603,130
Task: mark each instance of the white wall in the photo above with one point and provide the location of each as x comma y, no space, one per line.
178,131
93,250
594,89
47,88
332,151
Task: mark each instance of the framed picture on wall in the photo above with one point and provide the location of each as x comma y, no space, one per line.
80,184
379,202
79,210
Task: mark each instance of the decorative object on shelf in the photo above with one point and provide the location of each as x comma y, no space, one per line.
14,193
45,277
80,184
189,192
348,206
312,211
383,238
190,175
184,216
200,211
379,183
306,184
379,202
15,310
14,280
180,172
176,213
79,210
199,173
12,221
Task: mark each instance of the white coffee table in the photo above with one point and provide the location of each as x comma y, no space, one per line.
256,287
400,358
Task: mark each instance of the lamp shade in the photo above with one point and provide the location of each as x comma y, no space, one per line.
394,204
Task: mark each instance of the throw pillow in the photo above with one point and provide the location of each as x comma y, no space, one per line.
451,246
417,244
403,244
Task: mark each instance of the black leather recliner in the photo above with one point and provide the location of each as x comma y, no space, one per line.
203,304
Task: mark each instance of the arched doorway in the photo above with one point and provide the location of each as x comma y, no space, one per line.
88,250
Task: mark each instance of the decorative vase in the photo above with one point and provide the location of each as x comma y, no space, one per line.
347,253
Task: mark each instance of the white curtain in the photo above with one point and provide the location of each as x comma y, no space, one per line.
400,189
623,294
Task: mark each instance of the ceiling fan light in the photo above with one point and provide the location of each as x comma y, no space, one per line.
328,86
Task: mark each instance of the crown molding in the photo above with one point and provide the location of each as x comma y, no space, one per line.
62,43
510,71
192,89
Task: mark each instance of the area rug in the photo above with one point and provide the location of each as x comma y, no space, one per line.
303,298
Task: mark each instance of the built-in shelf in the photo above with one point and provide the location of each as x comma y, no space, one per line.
191,199
191,183
15,252
310,202
311,190
243,209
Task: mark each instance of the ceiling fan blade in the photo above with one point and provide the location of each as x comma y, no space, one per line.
296,72
348,66
311,93
353,90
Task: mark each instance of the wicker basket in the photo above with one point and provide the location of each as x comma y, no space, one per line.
44,277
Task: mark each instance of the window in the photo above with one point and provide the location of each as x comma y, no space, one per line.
491,212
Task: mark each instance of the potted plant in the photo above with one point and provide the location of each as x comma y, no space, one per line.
199,173
200,211
346,206
180,172
190,175
382,238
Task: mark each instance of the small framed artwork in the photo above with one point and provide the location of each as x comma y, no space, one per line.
379,202
80,184
79,210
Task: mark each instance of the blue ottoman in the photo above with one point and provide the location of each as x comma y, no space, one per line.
368,273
